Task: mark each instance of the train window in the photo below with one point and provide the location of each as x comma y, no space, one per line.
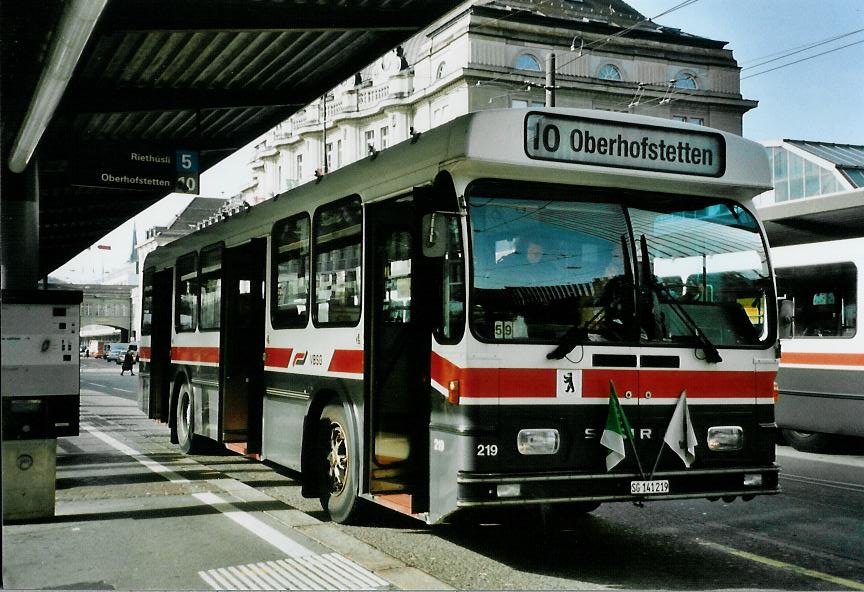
186,305
289,296
818,300
211,288
337,232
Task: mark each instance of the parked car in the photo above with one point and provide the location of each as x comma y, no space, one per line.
116,352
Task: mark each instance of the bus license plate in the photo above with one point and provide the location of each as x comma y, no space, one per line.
658,486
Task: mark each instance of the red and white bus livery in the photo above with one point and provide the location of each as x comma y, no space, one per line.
554,307
821,374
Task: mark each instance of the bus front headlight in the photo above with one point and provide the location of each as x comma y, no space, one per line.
538,441
725,438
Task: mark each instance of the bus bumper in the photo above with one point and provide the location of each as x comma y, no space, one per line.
477,490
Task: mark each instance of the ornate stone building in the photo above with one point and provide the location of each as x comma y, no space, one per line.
493,54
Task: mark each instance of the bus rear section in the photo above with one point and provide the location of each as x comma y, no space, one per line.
821,375
584,301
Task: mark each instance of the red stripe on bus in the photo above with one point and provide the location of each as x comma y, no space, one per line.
278,357
347,360
823,359
541,383
494,382
195,354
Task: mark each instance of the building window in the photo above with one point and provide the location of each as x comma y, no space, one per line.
383,133
442,70
299,167
369,138
290,286
524,104
528,62
338,153
609,72
686,80
688,119
337,234
328,156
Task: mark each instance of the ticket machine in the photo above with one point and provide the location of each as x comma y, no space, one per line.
40,392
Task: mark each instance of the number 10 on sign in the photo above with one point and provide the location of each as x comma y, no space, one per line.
187,172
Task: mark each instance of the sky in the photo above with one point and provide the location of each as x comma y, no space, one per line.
819,98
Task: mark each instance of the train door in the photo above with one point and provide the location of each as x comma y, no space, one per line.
242,345
397,350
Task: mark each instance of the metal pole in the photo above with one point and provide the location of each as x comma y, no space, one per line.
19,230
550,80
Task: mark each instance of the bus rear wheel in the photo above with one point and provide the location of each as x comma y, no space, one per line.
337,481
189,442
808,441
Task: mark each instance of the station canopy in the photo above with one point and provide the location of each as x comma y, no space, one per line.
205,77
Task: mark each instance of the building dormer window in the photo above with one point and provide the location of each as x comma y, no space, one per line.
609,72
442,70
686,80
526,61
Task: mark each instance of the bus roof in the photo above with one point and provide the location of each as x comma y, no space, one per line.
616,151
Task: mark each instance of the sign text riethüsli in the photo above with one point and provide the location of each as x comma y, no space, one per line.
581,140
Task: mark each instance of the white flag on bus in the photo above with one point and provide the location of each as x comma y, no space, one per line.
680,435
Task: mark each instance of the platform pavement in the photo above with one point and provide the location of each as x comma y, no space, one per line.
132,513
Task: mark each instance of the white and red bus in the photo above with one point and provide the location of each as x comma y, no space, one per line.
438,327
821,375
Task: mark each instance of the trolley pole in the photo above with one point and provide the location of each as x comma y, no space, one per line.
550,80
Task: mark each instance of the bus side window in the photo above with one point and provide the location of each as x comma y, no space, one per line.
450,323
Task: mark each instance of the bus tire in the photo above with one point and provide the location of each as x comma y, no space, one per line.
189,442
336,457
808,441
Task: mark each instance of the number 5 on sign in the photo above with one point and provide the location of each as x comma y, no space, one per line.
187,172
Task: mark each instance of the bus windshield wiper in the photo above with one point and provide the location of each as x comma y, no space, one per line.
712,355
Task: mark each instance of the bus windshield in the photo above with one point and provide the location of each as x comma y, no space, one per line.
615,267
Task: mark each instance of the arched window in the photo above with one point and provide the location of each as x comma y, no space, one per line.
686,80
528,62
442,70
609,72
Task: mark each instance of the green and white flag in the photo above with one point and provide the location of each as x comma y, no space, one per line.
680,435
616,432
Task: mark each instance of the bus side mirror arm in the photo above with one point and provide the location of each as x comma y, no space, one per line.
434,233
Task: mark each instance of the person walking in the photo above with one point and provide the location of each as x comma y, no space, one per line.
128,363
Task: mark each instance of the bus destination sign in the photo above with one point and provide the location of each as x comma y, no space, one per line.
608,143
137,167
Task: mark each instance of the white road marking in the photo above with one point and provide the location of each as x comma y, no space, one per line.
138,456
264,532
123,390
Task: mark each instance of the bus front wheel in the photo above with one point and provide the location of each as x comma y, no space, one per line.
337,486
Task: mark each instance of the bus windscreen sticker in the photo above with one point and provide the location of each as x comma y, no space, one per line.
614,144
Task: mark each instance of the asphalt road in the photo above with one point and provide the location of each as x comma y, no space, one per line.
810,537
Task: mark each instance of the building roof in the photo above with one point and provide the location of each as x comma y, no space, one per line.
848,158
198,209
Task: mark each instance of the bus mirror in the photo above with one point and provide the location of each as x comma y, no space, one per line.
786,314
434,234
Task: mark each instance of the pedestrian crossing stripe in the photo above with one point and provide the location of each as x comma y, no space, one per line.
329,571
